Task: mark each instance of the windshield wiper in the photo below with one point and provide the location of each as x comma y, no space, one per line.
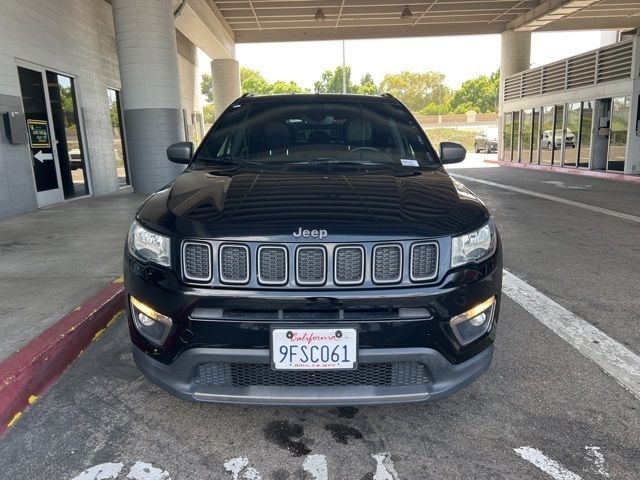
229,160
334,161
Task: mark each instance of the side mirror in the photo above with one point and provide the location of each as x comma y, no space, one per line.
452,152
180,152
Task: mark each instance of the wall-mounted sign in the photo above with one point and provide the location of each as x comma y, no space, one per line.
38,133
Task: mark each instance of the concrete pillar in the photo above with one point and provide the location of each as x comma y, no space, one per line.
515,56
153,119
225,76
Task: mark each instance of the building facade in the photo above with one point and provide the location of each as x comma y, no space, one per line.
581,112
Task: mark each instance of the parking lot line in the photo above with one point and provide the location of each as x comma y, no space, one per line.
546,464
553,198
613,357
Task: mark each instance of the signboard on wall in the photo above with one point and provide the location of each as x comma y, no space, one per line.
38,133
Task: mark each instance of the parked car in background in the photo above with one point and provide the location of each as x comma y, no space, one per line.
487,140
570,139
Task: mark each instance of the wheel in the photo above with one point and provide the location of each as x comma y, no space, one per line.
548,145
475,147
487,148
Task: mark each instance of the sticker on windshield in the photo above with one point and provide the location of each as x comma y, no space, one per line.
409,163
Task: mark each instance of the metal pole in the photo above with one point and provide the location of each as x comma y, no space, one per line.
344,71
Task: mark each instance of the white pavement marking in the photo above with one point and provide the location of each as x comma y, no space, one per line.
560,184
593,208
614,358
316,465
104,471
384,467
544,463
594,454
146,471
236,467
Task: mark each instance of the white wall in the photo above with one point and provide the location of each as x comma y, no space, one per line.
74,37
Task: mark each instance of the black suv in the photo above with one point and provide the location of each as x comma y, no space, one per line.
314,252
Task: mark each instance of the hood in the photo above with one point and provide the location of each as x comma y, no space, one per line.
258,205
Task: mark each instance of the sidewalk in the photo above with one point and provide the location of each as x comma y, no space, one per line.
55,259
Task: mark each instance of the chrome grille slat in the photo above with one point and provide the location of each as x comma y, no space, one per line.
311,265
387,263
349,265
424,261
196,261
234,263
272,265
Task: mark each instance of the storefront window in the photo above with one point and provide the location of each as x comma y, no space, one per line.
119,148
516,137
584,147
546,136
507,131
535,136
525,136
556,136
571,133
619,129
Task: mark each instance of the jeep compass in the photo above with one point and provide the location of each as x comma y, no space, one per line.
313,252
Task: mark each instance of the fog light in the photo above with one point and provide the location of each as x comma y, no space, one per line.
152,325
473,324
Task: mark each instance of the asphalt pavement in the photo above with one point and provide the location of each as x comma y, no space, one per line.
543,410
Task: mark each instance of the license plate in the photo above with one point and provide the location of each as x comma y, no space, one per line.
314,348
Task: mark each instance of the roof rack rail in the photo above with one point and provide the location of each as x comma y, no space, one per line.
248,94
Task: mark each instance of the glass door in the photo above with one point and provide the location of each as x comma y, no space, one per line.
119,147
620,109
46,171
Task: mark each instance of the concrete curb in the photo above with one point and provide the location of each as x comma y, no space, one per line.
617,177
34,368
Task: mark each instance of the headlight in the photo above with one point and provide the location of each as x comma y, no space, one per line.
149,246
474,246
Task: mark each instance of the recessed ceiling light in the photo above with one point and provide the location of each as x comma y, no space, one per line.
406,12
319,16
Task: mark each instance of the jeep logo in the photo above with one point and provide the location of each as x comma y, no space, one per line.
319,234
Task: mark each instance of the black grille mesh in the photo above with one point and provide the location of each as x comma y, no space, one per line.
387,263
234,265
272,265
311,265
394,374
424,261
349,265
197,261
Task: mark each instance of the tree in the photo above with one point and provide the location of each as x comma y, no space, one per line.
206,87
280,86
367,85
417,90
479,94
252,81
208,113
331,82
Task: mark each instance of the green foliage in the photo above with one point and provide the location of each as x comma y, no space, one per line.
207,113
416,90
206,87
367,85
479,94
331,82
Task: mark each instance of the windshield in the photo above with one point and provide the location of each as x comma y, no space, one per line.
310,132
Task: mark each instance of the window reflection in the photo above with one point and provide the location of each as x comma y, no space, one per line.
119,148
507,131
535,136
516,137
525,142
619,129
555,136
546,137
586,126
570,135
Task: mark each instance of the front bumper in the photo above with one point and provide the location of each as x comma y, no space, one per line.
444,378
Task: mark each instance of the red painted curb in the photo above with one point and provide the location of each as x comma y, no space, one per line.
36,366
617,177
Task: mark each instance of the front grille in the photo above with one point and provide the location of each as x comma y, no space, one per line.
272,265
311,265
196,258
234,264
391,374
387,263
349,265
253,264
424,261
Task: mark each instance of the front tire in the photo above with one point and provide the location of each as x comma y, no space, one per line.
475,147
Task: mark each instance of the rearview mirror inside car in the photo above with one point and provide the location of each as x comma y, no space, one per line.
180,152
451,152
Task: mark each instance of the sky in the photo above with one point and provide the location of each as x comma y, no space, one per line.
458,57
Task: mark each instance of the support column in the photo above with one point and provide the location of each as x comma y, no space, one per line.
153,120
515,56
225,76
